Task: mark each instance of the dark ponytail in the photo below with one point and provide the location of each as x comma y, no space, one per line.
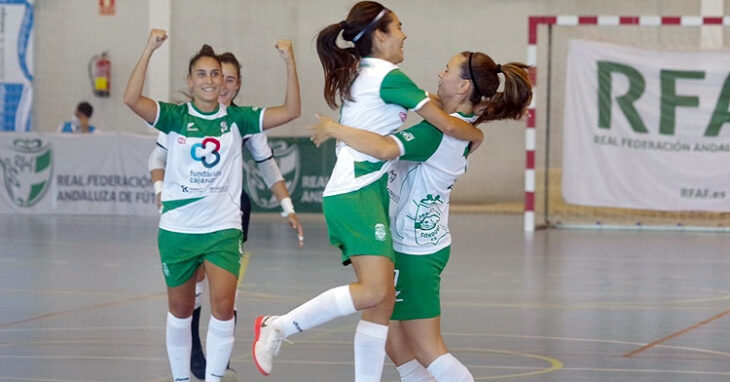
205,51
340,64
512,102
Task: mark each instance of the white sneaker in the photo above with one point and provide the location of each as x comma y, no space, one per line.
266,343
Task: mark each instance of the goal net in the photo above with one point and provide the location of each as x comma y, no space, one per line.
551,164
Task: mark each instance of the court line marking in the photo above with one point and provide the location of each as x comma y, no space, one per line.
244,264
601,305
502,367
84,357
252,295
648,371
42,380
157,327
71,328
85,309
349,363
576,339
321,332
680,298
675,334
653,344
62,292
555,364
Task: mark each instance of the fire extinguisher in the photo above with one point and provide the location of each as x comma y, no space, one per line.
100,70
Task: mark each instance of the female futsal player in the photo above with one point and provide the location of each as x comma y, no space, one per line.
200,222
420,186
376,96
258,146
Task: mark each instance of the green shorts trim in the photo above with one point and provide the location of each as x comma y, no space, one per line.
418,285
358,222
182,253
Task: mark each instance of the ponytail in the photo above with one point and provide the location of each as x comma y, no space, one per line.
484,73
340,64
512,102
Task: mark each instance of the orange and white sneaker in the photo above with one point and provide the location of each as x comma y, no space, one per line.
266,343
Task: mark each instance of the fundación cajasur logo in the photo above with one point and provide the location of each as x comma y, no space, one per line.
207,152
27,168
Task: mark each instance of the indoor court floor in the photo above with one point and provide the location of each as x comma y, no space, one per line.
83,299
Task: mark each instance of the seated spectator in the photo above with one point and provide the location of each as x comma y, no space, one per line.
80,122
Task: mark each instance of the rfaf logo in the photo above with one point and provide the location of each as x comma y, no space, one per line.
27,168
287,157
207,152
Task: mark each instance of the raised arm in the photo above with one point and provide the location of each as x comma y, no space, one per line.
292,107
449,125
378,146
143,106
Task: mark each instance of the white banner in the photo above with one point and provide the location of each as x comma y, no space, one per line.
16,64
97,174
645,129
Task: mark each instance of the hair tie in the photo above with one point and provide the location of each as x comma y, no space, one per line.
370,24
344,24
471,77
498,69
502,82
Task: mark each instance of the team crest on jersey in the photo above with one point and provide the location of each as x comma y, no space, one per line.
380,232
428,219
287,157
408,136
27,168
224,126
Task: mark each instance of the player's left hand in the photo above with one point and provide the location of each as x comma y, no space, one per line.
296,226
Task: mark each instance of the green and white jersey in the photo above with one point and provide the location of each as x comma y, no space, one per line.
202,188
381,98
420,186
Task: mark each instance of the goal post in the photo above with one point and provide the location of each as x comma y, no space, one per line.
549,38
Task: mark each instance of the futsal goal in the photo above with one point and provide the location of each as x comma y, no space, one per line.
565,186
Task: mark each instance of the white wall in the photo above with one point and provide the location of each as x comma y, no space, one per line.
69,32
